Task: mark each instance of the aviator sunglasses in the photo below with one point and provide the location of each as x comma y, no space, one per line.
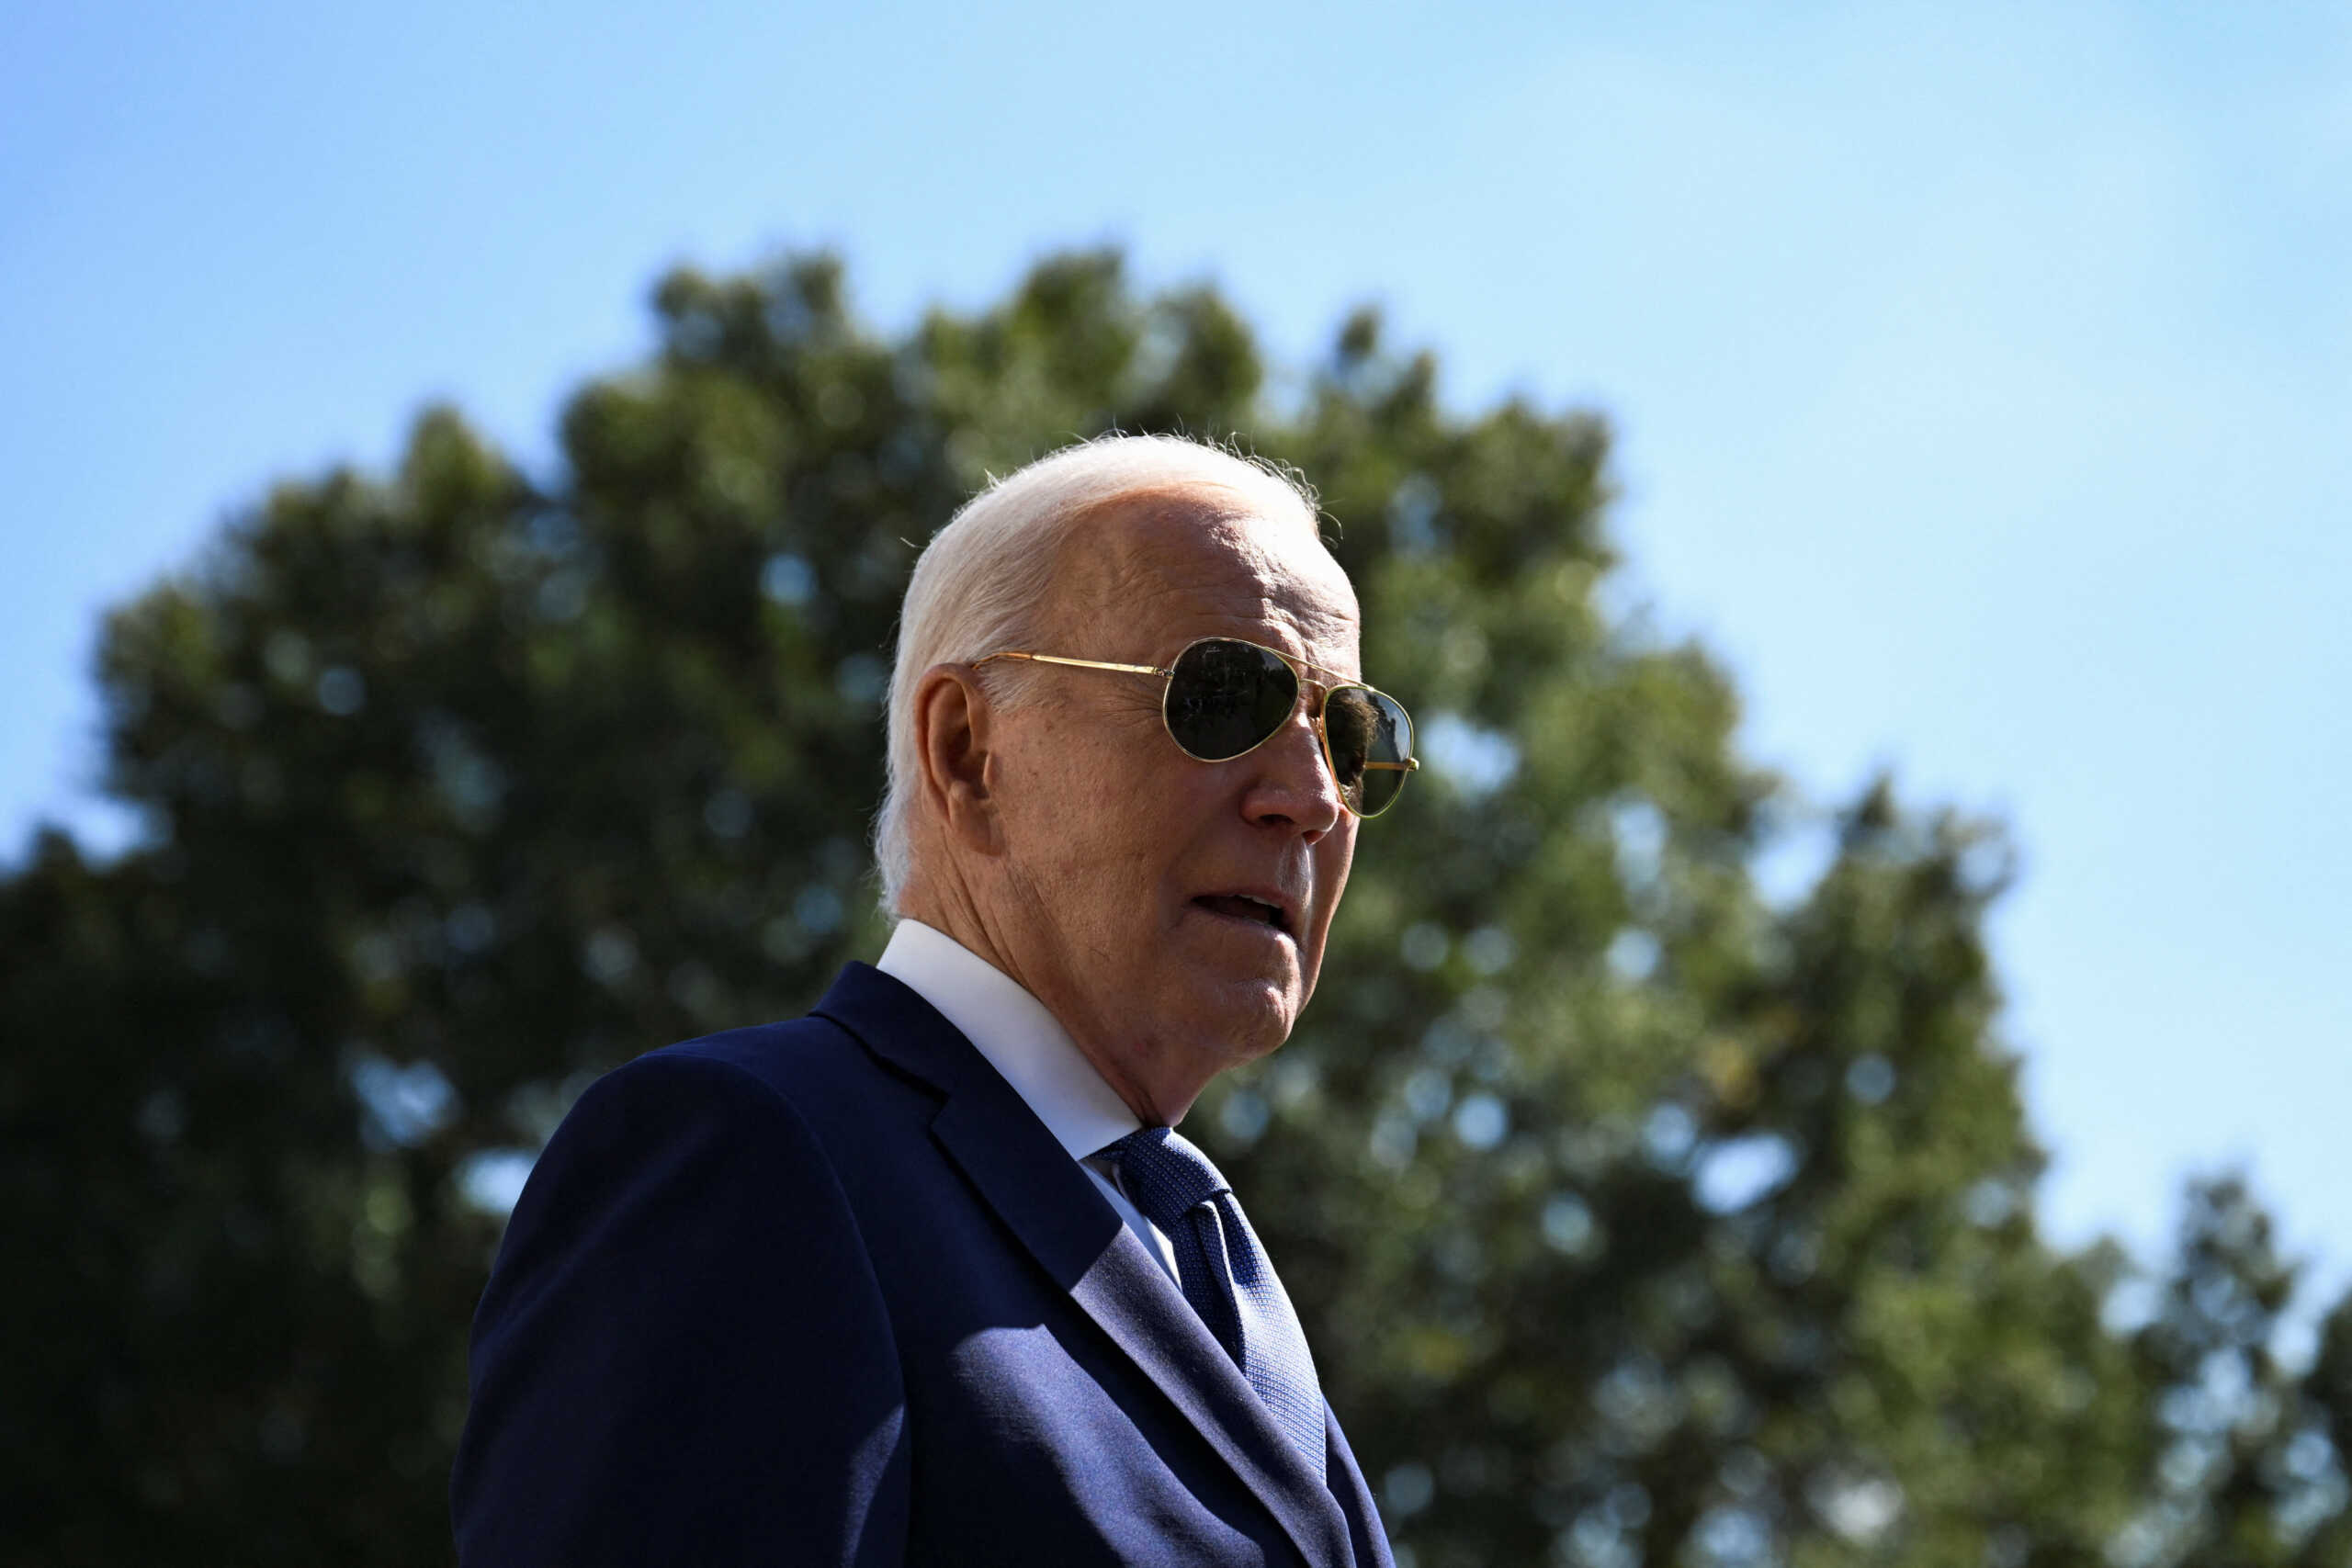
1225,697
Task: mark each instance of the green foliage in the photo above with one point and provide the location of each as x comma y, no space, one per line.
2249,1468
1637,1218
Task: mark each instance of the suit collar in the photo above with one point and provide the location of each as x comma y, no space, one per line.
1046,1200
1024,1043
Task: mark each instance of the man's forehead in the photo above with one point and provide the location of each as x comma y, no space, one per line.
1204,556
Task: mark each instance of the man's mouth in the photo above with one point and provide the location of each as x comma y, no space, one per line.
1241,906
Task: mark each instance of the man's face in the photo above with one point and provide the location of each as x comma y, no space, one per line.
1128,866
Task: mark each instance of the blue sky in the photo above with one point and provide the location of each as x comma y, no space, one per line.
1982,375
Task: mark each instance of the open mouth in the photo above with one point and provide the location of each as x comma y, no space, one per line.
1241,906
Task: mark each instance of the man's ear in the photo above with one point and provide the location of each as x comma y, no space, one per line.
952,727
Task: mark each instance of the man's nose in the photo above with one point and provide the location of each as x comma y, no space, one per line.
1293,785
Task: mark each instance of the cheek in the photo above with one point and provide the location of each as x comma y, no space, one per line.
1333,857
1055,769
1083,813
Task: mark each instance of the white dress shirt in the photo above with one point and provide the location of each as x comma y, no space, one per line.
1030,1049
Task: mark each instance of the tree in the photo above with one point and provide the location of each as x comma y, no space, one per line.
1634,1217
2249,1465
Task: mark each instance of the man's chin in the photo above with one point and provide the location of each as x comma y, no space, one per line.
1244,1020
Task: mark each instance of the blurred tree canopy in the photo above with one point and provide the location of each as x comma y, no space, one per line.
1637,1217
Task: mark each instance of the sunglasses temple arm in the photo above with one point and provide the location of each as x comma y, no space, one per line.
1075,663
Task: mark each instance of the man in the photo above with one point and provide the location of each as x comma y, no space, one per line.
925,1276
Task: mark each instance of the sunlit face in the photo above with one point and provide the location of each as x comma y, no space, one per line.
1138,880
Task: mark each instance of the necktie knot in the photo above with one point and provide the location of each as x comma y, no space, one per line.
1165,1176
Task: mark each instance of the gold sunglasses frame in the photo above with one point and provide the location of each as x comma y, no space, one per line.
1298,669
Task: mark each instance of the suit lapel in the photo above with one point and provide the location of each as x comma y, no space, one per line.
1131,1297
1364,1529
1047,1201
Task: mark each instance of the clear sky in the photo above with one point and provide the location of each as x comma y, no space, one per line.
1984,375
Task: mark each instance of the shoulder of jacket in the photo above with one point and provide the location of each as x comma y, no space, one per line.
820,1071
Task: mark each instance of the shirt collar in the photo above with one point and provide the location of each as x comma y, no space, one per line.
1021,1040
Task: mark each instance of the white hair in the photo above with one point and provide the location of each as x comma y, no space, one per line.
981,583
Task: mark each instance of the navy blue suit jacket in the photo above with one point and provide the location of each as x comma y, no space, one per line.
827,1291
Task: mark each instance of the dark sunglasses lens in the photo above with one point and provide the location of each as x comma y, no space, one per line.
1369,738
1225,697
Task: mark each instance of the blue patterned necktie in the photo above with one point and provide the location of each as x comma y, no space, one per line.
1225,1276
